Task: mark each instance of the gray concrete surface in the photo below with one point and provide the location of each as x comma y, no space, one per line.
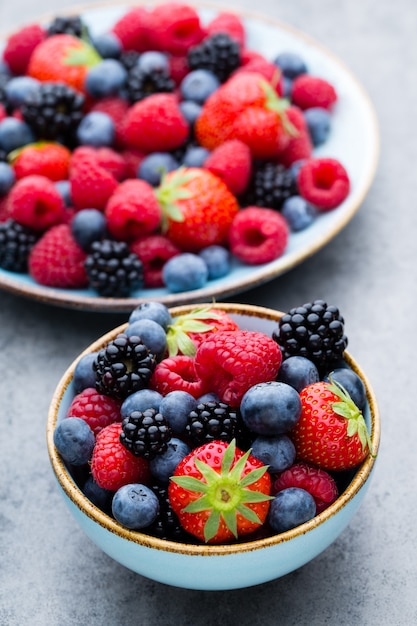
52,575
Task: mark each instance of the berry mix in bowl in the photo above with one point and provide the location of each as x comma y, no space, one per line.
150,152
215,446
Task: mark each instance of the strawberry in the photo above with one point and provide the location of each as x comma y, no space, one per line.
232,162
198,208
43,158
220,492
331,432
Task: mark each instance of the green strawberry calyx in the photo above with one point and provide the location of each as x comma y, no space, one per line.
274,103
83,54
178,339
347,408
38,145
170,193
224,493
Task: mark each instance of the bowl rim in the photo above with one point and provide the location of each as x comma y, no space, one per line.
86,507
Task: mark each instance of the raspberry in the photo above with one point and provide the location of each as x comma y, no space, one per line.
109,159
44,159
133,158
35,202
20,46
116,108
112,465
154,251
132,29
299,146
316,481
177,373
174,28
323,182
56,260
91,184
232,162
97,409
132,210
258,235
312,91
229,23
230,362
160,112
178,68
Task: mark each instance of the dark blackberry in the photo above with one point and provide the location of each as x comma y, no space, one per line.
129,58
16,242
314,330
271,185
145,433
212,420
68,25
113,270
219,53
124,366
167,525
54,112
141,83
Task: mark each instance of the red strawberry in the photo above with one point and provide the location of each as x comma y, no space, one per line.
95,408
198,208
44,159
331,432
132,210
174,27
20,46
132,29
299,146
56,260
232,162
324,182
220,493
34,201
154,251
316,481
258,235
177,373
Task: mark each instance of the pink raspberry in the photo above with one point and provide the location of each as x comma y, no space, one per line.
132,29
316,481
20,46
230,23
174,27
312,91
107,158
154,251
116,108
35,202
177,373
95,408
323,182
258,235
232,162
132,210
91,184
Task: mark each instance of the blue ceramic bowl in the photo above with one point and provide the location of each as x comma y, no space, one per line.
212,567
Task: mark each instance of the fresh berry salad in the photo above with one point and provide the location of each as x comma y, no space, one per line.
192,429
158,153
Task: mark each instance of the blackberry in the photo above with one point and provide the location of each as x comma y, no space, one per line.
16,242
68,25
219,53
113,270
145,433
314,330
129,58
167,525
141,83
271,185
54,112
124,366
212,420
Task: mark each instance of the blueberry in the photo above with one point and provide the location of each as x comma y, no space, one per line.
218,261
107,45
210,396
271,408
84,376
163,465
153,167
88,225
7,178
18,88
277,452
64,189
135,506
352,383
176,407
195,156
152,311
152,60
96,129
198,85
100,497
298,213
286,87
190,110
290,508
14,134
152,334
319,124
140,401
105,79
185,272
291,64
74,440
298,371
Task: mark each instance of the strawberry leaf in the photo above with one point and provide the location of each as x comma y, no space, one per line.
193,322
274,103
212,526
347,409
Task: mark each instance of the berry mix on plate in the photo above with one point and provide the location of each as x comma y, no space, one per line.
157,153
190,428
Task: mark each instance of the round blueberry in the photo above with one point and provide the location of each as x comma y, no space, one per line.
74,440
18,88
198,85
195,156
190,110
64,189
290,508
14,134
210,396
185,272
218,261
153,61
176,407
155,165
286,87
135,506
298,213
88,225
352,383
271,408
155,311
291,64
152,334
107,45
163,465
84,375
140,401
105,79
298,371
277,452
100,497
318,124
7,178
96,129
